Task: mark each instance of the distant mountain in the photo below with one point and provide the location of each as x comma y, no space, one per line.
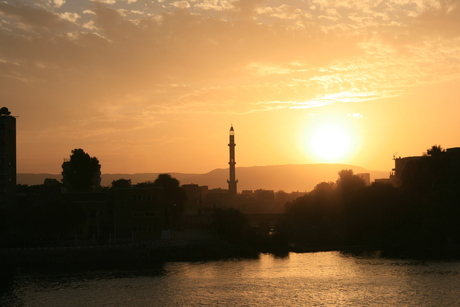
293,177
297,177
33,179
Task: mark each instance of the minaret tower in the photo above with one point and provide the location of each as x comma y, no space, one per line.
232,182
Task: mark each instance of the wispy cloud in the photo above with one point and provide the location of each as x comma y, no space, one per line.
226,56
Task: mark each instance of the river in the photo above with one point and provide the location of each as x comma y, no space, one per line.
308,279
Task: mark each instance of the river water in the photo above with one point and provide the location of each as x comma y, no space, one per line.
308,279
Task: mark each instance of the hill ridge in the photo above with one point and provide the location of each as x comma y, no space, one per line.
287,177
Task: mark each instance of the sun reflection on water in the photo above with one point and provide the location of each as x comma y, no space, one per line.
309,279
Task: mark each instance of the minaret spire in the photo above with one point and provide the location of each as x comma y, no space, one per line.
232,181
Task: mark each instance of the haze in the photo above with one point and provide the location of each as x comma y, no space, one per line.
153,86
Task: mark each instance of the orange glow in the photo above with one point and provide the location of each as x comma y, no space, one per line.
154,88
330,138
330,143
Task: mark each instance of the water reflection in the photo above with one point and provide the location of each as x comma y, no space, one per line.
313,279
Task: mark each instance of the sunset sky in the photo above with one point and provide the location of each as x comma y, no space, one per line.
153,86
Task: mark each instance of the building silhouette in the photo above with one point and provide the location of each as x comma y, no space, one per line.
141,214
232,181
425,172
7,158
400,166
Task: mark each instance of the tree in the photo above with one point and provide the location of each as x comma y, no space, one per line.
231,224
173,192
51,182
82,173
349,184
434,151
121,183
175,196
323,189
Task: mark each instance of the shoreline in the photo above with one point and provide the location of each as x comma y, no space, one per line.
145,255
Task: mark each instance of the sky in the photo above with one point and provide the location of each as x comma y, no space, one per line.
154,86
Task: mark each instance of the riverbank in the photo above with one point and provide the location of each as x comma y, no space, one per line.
185,245
195,245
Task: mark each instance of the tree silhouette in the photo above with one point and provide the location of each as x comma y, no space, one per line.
121,183
325,215
230,224
175,196
434,151
166,181
51,182
348,184
82,173
314,219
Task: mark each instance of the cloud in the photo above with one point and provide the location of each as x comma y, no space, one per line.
106,1
215,5
72,17
248,8
226,56
181,4
59,3
356,115
440,17
31,16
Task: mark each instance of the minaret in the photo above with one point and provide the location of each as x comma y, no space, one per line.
232,182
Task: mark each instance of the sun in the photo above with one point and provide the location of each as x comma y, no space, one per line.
330,143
